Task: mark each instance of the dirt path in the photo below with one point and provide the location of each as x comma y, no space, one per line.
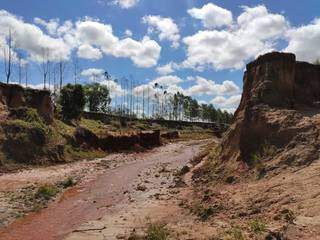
107,202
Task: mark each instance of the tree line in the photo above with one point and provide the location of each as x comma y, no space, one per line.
94,97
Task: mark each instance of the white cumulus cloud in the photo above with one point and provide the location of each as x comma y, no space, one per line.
209,87
304,41
167,80
212,16
227,103
125,3
86,51
167,68
93,73
254,33
165,27
90,38
32,39
144,53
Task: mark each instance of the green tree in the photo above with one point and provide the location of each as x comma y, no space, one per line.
194,109
72,101
97,97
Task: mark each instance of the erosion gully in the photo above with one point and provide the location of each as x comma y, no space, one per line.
92,200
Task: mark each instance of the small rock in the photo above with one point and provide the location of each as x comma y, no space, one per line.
141,188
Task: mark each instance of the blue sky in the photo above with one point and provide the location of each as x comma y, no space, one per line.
213,40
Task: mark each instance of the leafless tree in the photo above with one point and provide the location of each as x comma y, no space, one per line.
76,69
143,100
20,65
26,66
8,54
54,72
62,68
45,65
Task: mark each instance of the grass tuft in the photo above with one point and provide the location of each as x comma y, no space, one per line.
257,226
46,192
157,231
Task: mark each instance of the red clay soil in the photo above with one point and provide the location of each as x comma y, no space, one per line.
91,200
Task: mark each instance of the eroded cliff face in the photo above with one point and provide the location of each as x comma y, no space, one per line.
277,122
15,96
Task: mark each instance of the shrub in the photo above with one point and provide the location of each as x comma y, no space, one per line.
26,114
257,226
46,192
235,233
69,182
72,101
157,231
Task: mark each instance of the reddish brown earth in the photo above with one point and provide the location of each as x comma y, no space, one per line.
100,193
15,96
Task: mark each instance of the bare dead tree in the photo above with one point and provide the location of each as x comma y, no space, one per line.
20,68
7,53
54,72
143,100
148,100
62,68
75,69
45,65
26,66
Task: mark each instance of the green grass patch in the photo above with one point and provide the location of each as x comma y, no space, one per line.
257,226
73,153
94,126
46,192
157,231
69,182
235,233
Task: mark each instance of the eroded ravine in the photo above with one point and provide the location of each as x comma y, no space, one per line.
105,193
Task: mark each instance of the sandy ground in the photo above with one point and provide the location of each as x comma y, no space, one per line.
115,195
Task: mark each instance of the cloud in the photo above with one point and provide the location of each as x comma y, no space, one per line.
165,27
86,51
146,88
51,26
114,87
93,74
167,68
144,53
232,48
304,41
125,3
150,89
32,39
128,33
172,89
167,80
229,104
91,38
96,33
212,16
209,87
